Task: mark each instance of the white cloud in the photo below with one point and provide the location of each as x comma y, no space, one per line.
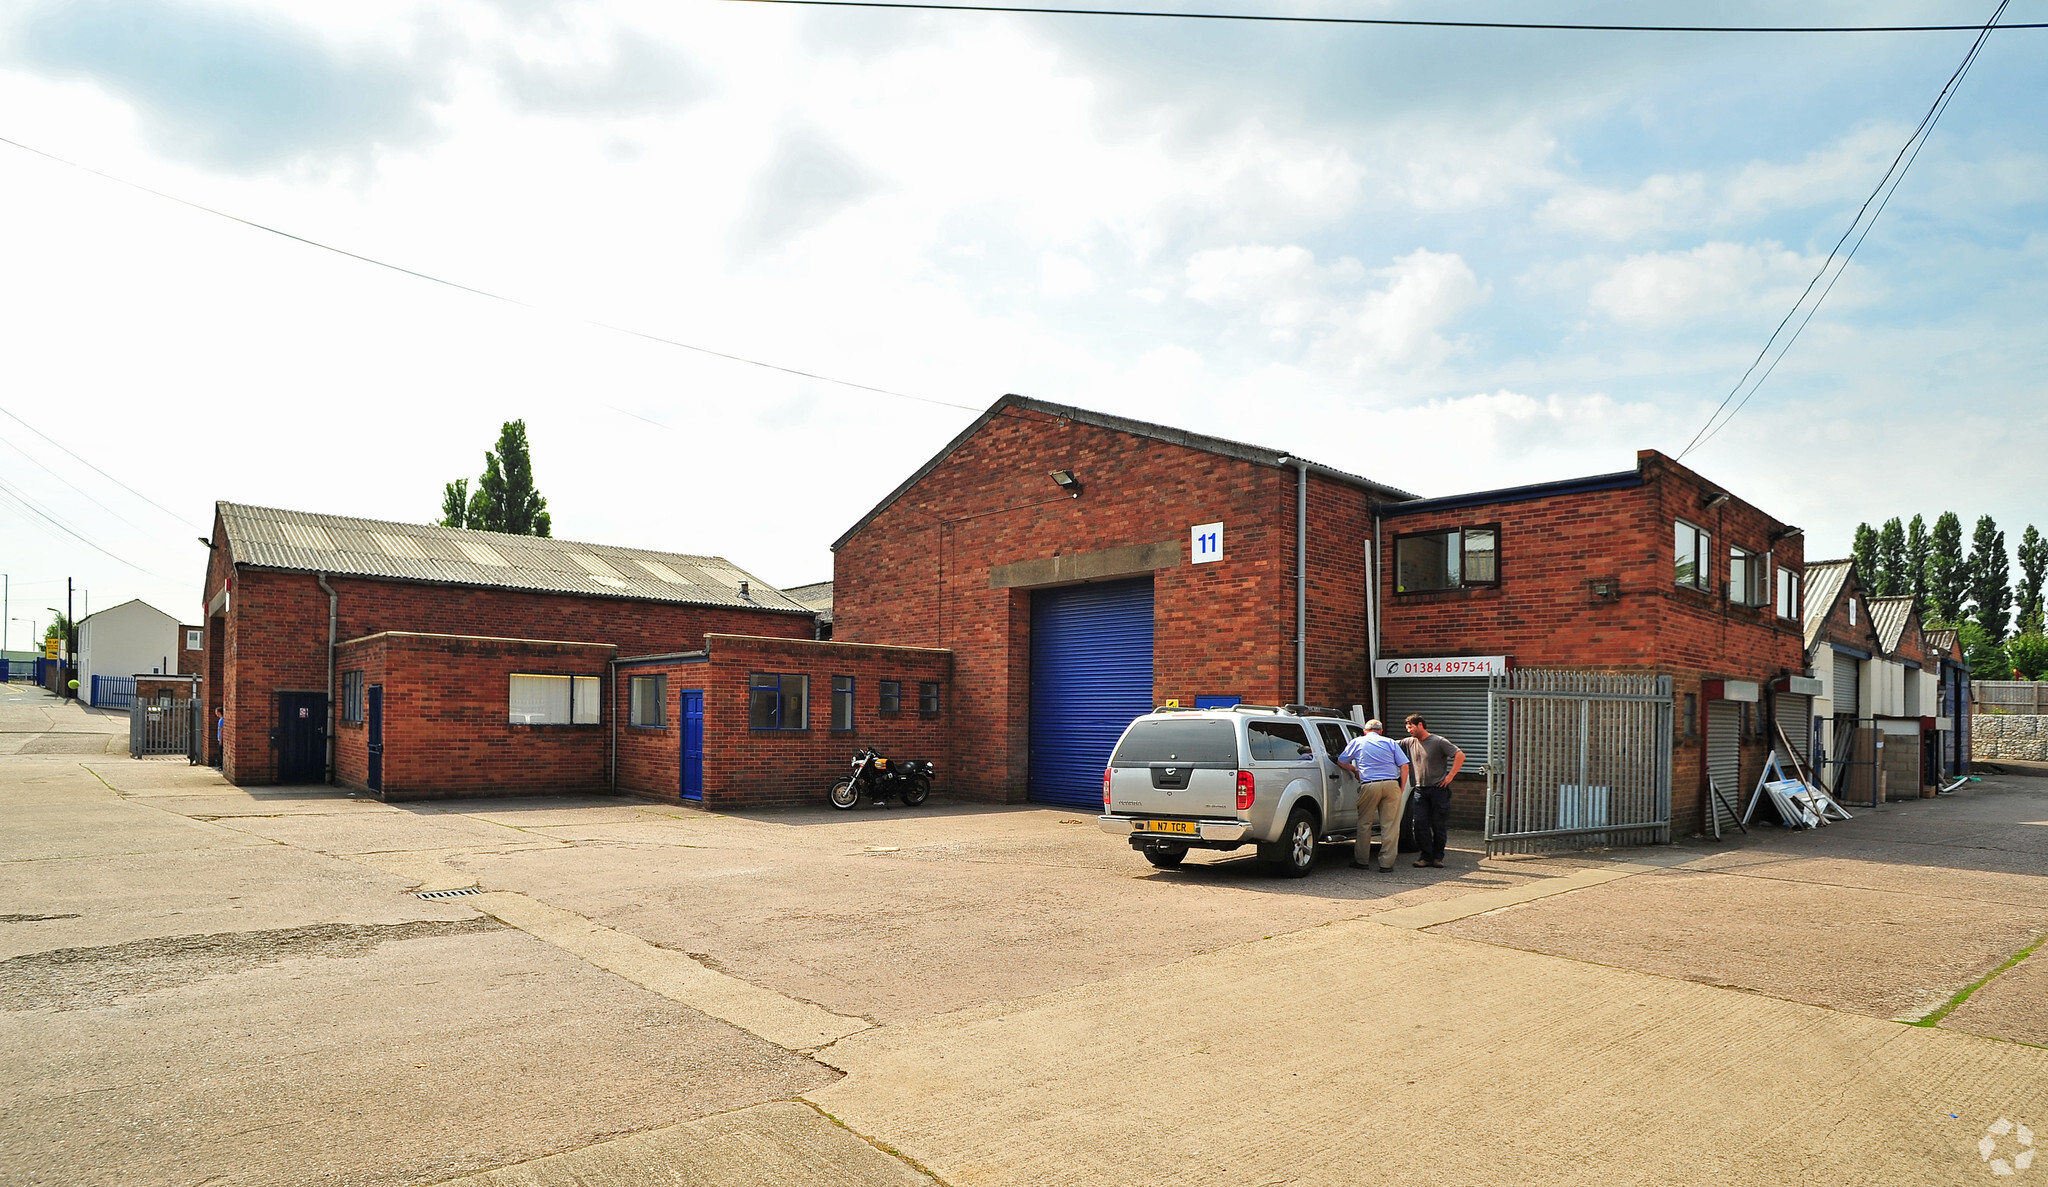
1425,292
1351,316
1663,200
1671,287
1063,276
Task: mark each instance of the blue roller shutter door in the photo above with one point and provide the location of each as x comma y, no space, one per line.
1091,674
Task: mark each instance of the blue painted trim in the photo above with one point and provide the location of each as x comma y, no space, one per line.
1515,494
1218,702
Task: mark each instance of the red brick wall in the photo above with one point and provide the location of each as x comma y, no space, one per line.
147,688
446,727
273,635
745,768
1544,615
919,574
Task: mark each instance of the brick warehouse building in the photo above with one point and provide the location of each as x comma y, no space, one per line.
285,589
1083,568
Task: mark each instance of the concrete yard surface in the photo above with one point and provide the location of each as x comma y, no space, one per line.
201,983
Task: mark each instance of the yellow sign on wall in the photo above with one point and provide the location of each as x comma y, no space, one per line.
50,647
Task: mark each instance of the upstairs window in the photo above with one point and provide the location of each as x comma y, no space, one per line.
649,695
778,701
1457,558
1695,560
193,641
1747,579
891,700
1788,594
554,700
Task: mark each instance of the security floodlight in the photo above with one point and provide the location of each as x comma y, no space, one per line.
1786,533
1713,499
1065,480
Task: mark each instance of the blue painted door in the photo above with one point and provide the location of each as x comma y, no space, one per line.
693,744
1091,674
374,711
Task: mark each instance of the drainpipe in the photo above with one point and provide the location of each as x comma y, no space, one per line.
1300,578
333,620
1372,617
611,667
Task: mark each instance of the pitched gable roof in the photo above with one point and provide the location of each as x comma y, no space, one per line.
1941,642
1891,616
306,542
1825,581
1257,454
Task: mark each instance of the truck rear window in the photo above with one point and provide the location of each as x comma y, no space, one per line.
1191,742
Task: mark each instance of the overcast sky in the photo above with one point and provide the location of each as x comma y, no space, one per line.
1449,260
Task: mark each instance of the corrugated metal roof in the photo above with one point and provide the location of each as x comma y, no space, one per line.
1889,616
1824,580
817,595
1941,642
303,541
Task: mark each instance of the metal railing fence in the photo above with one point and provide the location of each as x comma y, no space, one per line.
112,692
1580,760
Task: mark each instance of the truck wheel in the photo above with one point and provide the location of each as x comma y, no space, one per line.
1295,855
844,794
916,791
1166,856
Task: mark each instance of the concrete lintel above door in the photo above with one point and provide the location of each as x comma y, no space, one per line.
1086,566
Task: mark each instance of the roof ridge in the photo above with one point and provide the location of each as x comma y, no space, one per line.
512,536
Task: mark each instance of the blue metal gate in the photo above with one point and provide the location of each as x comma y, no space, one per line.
1091,674
693,744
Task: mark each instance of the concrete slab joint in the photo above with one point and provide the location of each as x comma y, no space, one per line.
1086,566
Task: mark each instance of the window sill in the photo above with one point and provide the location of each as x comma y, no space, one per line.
777,729
1454,592
649,729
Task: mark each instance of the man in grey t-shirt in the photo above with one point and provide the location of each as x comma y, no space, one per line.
1435,763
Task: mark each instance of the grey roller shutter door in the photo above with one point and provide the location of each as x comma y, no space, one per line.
1724,755
1847,695
1454,706
1795,717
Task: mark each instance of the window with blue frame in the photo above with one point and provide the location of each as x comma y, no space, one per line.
842,702
928,696
891,699
778,701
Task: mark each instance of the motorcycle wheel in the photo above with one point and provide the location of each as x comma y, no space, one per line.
844,794
916,791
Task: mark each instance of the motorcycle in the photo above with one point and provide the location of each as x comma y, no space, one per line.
878,778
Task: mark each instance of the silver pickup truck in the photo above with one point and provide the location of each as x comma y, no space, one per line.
1184,779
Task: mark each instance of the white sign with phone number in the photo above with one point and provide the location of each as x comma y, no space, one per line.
1461,665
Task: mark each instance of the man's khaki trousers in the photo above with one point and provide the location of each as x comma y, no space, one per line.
1381,798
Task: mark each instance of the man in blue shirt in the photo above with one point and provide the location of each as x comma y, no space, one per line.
1381,767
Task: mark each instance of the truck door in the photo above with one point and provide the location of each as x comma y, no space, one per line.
1340,791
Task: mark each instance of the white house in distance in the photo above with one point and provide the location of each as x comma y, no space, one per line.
133,638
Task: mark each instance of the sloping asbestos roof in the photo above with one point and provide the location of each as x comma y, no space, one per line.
1257,454
817,596
1889,616
304,542
1941,642
1824,581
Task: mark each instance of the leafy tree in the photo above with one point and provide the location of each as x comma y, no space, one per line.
455,504
2029,655
59,628
504,499
1916,566
2033,554
1865,553
1891,580
1985,656
1990,575
1948,581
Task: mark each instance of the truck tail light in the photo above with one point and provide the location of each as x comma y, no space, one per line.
1105,789
1245,790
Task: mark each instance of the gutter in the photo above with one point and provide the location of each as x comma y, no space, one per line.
333,623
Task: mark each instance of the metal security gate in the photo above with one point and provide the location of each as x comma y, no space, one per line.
1580,760
1091,674
1724,766
159,728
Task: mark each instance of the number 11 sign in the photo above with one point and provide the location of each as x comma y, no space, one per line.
1208,542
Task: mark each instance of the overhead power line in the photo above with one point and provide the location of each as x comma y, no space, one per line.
30,505
1866,218
1385,22
472,289
102,473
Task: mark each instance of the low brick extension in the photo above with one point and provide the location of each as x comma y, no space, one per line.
751,768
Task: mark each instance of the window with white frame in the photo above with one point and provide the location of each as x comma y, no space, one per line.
195,640
1788,594
1695,558
648,697
553,700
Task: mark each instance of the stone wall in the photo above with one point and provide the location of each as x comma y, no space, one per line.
2021,736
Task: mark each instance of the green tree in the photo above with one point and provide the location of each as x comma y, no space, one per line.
1990,579
1948,580
1985,655
1891,560
2033,554
1869,566
455,504
1916,565
2029,655
504,499
59,628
